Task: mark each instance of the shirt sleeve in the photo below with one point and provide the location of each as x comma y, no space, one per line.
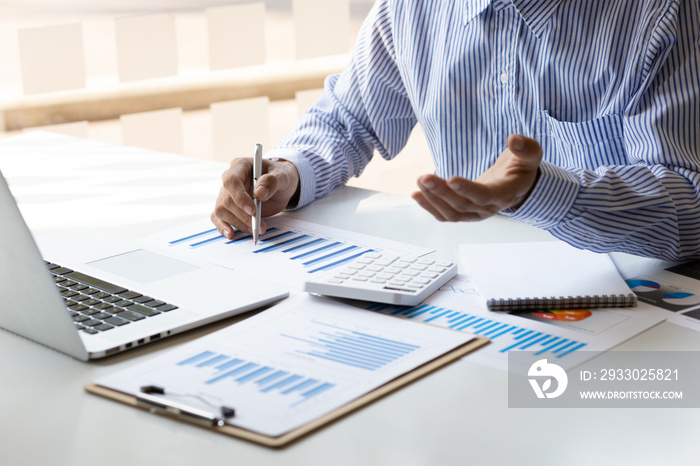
651,205
363,109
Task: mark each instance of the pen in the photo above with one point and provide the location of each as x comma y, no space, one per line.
257,172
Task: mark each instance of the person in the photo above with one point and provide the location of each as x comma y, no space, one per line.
581,118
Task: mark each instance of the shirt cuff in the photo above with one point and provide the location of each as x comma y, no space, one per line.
307,177
551,199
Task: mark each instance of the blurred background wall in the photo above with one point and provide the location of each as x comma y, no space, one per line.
201,78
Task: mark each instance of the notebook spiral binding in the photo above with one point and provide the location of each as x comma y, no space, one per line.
561,302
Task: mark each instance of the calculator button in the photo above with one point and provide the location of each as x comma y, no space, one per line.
386,260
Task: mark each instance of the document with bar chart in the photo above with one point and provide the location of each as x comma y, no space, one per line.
288,253
291,364
568,337
671,287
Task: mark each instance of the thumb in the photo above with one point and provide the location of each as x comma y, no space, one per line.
525,148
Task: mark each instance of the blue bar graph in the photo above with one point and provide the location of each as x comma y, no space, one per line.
196,235
196,358
207,241
281,244
507,337
352,348
315,254
308,244
266,380
317,250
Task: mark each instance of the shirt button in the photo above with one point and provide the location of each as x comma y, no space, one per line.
503,77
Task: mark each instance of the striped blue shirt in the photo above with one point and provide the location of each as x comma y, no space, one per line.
610,89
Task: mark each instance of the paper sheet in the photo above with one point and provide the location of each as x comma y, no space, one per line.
672,287
541,270
289,252
292,363
567,337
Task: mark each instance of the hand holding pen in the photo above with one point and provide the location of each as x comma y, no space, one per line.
236,208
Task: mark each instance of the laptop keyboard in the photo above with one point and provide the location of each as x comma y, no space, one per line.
97,306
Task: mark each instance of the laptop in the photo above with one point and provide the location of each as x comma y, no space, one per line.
91,294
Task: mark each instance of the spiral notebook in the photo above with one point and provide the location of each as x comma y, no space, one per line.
544,275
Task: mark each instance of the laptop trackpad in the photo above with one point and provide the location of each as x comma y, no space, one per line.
143,266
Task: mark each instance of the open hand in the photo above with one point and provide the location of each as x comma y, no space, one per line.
506,184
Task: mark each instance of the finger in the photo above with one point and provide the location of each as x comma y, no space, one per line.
525,148
275,180
459,199
228,213
451,205
438,213
435,187
230,219
267,186
225,229
476,193
425,204
237,182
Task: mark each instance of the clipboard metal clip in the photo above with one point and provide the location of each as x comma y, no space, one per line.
148,399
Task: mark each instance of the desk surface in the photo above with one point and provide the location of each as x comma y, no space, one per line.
458,415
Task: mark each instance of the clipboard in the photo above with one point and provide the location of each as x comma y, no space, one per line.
295,434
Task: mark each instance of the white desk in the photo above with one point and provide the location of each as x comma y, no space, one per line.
458,415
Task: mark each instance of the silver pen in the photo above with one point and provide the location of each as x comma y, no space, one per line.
257,173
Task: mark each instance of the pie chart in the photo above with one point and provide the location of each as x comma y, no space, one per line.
569,315
642,286
681,299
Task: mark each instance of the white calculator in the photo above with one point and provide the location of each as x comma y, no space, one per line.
385,278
